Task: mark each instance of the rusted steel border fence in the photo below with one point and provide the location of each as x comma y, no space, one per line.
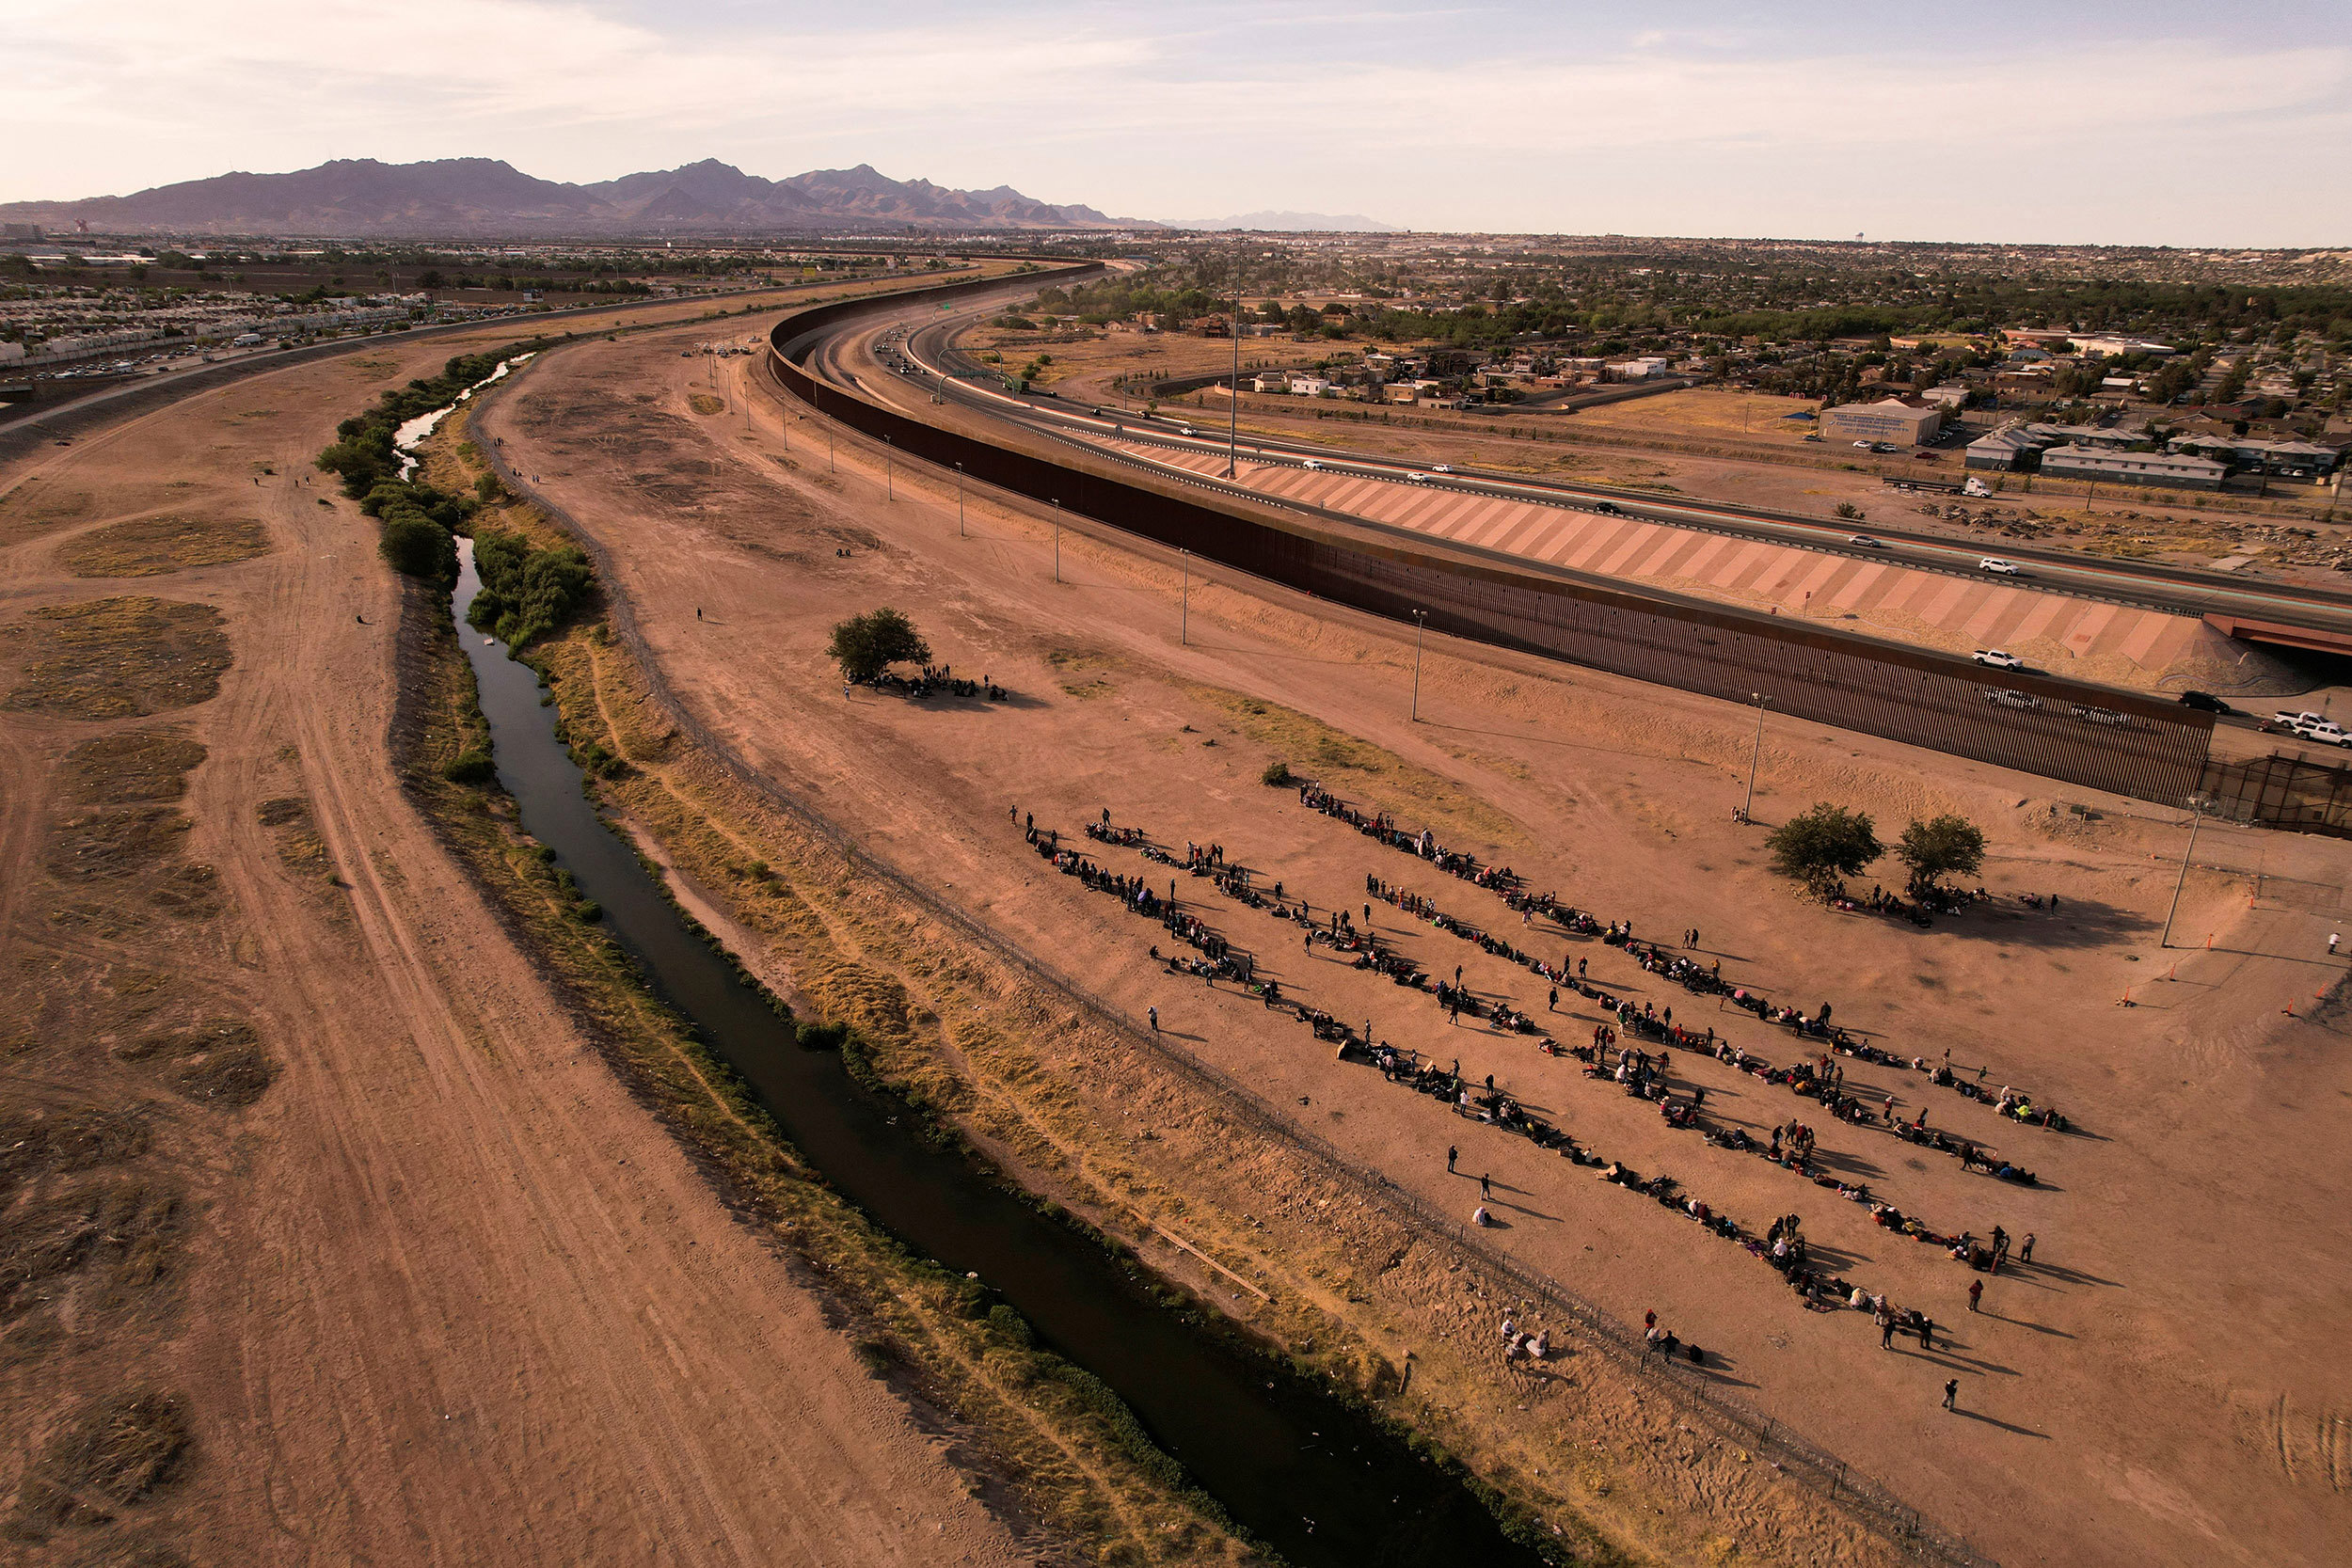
2058,729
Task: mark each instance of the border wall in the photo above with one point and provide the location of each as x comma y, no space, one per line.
2079,735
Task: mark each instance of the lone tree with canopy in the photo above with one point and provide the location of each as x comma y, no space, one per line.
1940,847
865,645
1824,845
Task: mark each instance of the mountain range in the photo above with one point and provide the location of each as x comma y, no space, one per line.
449,197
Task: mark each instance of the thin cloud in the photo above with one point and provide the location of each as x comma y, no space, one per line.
1552,119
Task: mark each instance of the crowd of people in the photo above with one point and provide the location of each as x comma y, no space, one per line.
939,680
1639,1072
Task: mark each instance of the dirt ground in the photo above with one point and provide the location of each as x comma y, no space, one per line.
318,1212
2156,1385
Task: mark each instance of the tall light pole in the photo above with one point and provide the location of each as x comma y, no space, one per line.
2197,815
1421,619
958,501
1183,624
1760,699
1232,402
1057,539
890,469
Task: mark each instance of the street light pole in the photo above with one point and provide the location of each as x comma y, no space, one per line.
2197,815
1057,539
1232,402
1183,624
890,469
958,501
1760,699
1420,620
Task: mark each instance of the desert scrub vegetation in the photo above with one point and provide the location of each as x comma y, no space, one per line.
111,1456
153,547
416,521
121,657
528,590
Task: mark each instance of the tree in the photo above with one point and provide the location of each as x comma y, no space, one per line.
865,645
1940,847
415,544
1825,845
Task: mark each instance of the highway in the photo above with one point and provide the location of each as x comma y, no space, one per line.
2172,590
901,358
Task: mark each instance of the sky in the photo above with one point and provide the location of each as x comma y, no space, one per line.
2146,122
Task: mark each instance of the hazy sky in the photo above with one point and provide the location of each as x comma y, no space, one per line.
2146,122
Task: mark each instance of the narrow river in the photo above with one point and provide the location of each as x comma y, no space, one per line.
1299,1471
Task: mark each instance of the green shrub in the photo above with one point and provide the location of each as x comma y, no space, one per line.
472,766
418,545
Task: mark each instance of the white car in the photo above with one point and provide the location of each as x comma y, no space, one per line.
2327,734
1416,478
1996,659
1441,469
1865,542
1186,429
2004,697
2107,716
2301,723
1861,445
2004,569
1311,463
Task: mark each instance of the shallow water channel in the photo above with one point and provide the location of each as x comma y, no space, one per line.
1301,1472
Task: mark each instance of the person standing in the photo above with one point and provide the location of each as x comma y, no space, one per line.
1951,1393
1452,1154
1887,1331
2025,1249
1155,1019
2333,938
1975,1294
1552,1002
1485,1185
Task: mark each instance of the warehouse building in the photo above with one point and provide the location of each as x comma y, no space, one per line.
1890,421
2007,448
2169,469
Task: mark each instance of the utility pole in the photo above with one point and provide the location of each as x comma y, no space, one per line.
890,469
1057,539
2197,815
1421,619
1183,624
958,501
1760,699
1232,402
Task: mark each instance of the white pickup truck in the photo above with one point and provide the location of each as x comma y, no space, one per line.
2311,726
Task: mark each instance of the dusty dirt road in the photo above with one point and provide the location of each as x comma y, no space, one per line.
447,1293
2158,1385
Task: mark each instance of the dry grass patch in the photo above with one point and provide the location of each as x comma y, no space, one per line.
1346,764
703,402
218,1062
295,834
118,842
126,1224
150,547
133,764
113,1455
121,657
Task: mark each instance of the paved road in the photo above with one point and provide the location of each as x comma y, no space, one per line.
2174,590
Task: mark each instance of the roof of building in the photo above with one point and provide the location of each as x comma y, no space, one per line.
2139,459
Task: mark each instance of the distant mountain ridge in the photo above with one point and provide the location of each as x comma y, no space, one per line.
489,198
